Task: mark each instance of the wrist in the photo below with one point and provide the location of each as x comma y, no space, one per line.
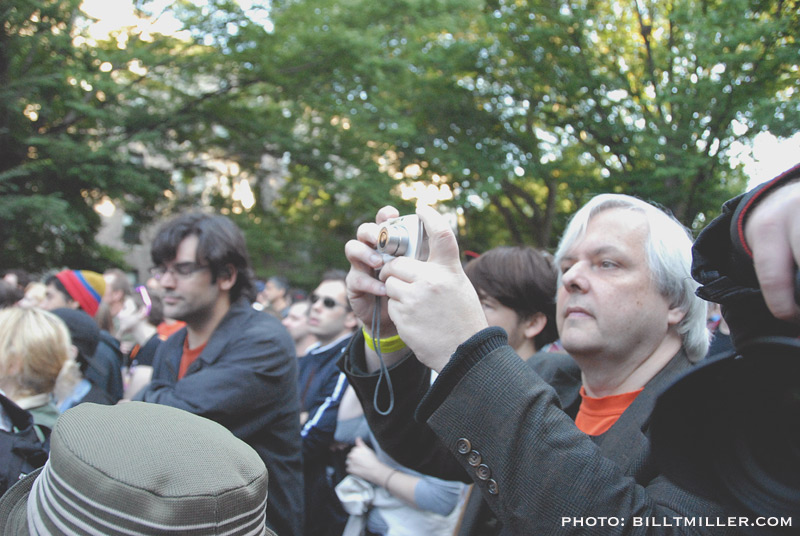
385,345
388,478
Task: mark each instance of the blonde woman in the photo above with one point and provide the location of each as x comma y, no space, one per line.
35,347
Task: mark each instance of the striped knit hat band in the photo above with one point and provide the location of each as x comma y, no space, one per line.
56,508
85,287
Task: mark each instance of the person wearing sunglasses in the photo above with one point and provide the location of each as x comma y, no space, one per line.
321,387
230,363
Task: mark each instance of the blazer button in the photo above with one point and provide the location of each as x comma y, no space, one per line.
474,458
483,471
491,487
463,445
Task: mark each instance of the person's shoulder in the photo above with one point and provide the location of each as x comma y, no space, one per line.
255,327
146,354
546,364
243,310
108,339
95,395
108,345
341,345
249,319
561,372
332,351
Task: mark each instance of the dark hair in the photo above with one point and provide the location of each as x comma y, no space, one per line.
338,275
334,275
521,278
281,282
220,243
9,294
23,277
59,286
119,281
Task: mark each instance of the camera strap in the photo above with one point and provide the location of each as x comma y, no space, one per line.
383,375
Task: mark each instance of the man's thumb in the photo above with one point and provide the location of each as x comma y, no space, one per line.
441,239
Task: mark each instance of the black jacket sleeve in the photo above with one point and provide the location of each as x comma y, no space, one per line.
410,380
723,265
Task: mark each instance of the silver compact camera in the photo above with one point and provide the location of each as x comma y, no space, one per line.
403,237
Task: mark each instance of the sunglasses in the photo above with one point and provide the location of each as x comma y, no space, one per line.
328,302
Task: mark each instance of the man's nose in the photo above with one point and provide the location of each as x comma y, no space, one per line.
575,279
168,279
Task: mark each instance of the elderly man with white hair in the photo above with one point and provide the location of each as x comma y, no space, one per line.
574,459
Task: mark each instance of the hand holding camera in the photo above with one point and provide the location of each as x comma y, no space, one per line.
363,284
431,304
403,237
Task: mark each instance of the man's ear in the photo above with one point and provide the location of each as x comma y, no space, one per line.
227,277
534,325
351,320
675,316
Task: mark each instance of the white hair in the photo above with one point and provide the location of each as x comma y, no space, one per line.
668,250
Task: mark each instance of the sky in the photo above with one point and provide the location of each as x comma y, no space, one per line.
766,158
769,157
114,14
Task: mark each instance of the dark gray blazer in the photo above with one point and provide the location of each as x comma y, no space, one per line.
502,425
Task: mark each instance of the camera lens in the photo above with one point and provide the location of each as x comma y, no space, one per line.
393,240
383,239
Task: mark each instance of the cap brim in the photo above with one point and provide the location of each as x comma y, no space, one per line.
14,506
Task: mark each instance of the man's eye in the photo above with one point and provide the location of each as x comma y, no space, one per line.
608,264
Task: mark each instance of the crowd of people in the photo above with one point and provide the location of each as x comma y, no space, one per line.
511,394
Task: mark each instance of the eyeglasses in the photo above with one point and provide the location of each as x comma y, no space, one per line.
179,269
148,303
328,302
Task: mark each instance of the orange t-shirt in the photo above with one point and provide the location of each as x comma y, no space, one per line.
165,329
189,356
597,415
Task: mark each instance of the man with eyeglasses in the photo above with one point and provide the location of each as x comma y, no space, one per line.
321,387
230,363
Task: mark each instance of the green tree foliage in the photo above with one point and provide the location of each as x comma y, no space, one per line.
63,142
526,108
639,97
520,109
